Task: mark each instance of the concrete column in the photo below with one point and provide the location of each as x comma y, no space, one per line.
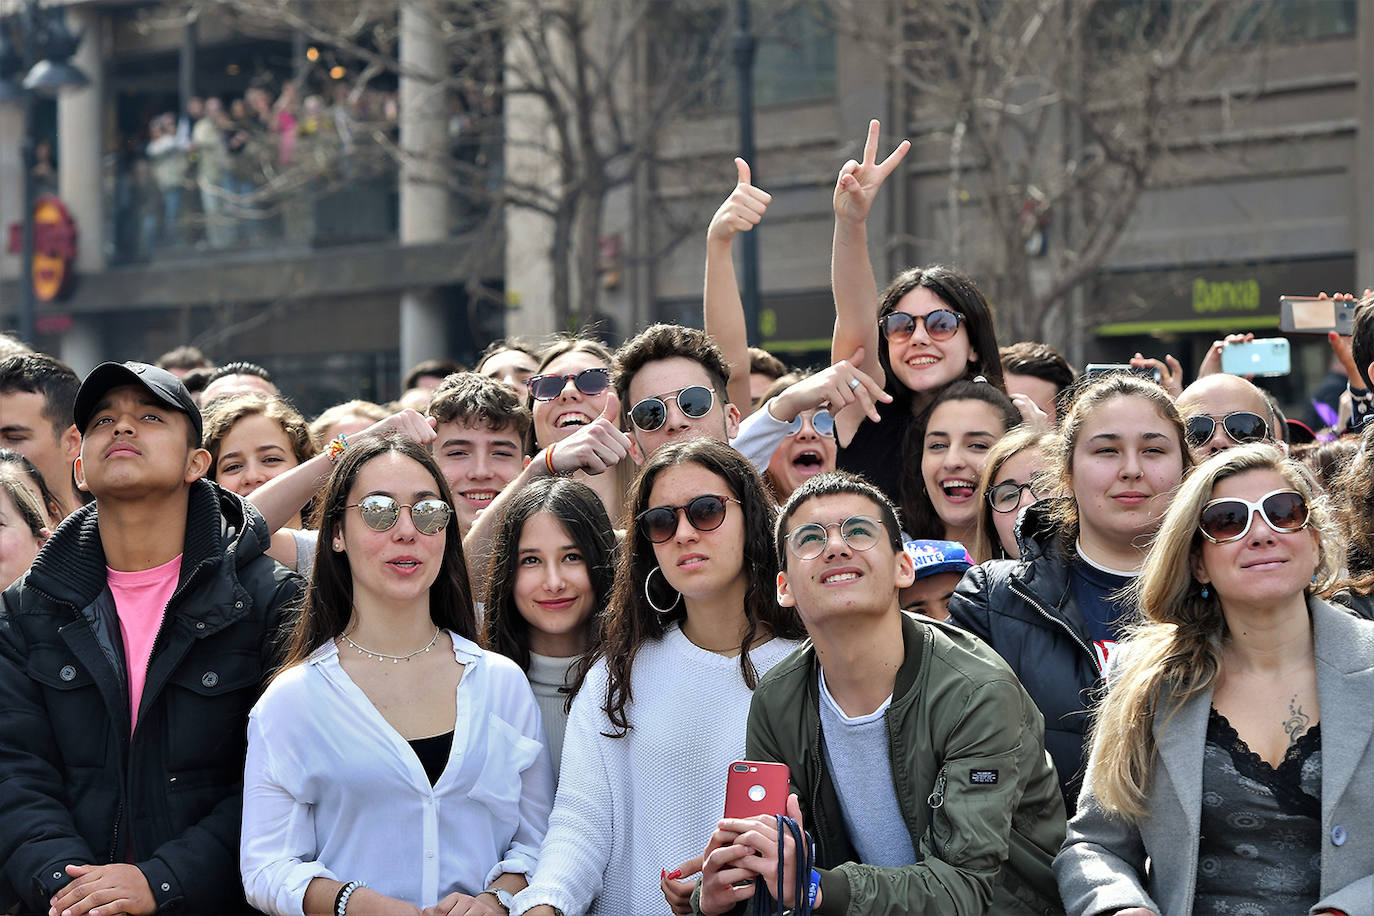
11,191
1364,152
80,117
424,198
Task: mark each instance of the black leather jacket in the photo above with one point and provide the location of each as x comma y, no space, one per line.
75,786
1025,610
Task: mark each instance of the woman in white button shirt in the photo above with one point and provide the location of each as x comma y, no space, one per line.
393,765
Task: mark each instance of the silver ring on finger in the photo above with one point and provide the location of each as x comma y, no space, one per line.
854,384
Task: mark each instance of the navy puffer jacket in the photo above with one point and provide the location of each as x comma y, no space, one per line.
1025,610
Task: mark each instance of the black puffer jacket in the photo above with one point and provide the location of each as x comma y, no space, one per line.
75,786
1025,610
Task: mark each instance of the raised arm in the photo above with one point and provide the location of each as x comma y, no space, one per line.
283,496
723,311
851,273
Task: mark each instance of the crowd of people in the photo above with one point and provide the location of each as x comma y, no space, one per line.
227,172
1025,642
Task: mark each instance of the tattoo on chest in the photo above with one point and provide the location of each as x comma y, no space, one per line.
1296,723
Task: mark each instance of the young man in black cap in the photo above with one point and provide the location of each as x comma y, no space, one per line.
130,654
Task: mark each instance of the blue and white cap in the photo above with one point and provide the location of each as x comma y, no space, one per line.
933,557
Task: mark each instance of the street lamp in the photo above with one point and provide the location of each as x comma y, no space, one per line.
34,42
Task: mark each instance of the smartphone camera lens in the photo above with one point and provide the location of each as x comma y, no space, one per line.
740,768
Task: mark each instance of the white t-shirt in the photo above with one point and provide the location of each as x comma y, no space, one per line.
629,807
332,790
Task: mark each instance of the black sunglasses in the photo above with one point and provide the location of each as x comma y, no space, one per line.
694,401
590,382
1229,519
941,324
1241,425
380,513
704,513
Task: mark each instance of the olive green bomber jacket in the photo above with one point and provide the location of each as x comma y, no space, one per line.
977,790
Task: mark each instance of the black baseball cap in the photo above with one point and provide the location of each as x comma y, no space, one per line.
160,383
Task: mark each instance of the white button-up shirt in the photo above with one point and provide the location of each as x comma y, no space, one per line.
331,790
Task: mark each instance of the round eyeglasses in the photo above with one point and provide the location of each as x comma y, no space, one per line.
1006,496
809,541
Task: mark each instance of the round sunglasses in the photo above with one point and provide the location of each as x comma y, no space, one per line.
590,382
821,421
941,324
1241,425
695,401
380,513
704,513
1230,518
1006,496
809,541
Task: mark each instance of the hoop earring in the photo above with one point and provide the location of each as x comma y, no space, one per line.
664,611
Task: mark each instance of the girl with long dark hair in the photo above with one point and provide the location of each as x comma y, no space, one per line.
392,761
660,714
551,574
931,326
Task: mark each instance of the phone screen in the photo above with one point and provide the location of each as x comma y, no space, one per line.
1313,314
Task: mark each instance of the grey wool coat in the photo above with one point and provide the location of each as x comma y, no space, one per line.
1108,863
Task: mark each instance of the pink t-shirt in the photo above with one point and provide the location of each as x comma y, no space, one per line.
140,599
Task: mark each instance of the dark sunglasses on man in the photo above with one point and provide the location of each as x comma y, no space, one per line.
695,401
1241,426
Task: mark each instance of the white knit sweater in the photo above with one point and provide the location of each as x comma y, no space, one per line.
629,807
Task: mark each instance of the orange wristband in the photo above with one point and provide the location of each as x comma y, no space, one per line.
548,459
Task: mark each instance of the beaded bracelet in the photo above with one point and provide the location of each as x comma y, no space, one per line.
336,447
341,901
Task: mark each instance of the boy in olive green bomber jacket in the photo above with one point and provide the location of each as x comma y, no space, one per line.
917,759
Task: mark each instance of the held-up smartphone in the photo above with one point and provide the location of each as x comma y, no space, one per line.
1094,371
1269,356
756,787
1309,315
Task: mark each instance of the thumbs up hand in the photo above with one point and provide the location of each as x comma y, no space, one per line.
741,211
594,448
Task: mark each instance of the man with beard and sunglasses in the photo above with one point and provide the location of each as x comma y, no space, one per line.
1222,411
130,654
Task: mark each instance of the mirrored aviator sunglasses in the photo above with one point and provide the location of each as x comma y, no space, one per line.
590,382
380,513
1241,426
694,401
1230,518
704,513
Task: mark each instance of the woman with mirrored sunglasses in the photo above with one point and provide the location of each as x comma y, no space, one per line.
1232,751
930,326
392,762
807,447
1012,479
693,624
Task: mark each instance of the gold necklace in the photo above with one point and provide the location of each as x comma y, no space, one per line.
382,656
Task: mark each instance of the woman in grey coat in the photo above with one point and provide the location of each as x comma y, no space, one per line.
1231,768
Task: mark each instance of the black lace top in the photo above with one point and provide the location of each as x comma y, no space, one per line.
1260,849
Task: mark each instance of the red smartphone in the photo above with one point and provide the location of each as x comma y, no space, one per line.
756,787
